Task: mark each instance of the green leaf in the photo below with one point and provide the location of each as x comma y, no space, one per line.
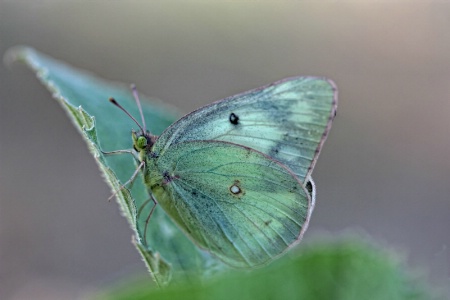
168,253
343,270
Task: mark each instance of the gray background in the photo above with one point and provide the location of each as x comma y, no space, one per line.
384,171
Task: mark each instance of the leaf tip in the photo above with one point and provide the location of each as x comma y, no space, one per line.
16,53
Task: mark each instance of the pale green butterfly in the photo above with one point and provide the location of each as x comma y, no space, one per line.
235,175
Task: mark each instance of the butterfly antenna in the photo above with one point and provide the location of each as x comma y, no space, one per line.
113,101
138,102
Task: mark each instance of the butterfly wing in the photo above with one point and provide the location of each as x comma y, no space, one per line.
238,203
288,120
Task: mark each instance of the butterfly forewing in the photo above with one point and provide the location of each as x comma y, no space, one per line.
238,203
287,120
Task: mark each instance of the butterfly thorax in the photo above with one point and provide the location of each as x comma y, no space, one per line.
158,177
143,144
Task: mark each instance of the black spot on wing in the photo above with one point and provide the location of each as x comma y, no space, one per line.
169,177
234,119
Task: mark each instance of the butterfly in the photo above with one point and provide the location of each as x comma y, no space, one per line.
235,175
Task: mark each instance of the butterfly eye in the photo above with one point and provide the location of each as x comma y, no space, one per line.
141,143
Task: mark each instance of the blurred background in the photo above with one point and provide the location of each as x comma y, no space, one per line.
384,171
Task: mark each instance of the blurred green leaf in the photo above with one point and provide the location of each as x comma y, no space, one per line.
168,252
343,270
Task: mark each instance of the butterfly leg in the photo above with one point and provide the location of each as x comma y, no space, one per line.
131,180
116,152
147,220
106,153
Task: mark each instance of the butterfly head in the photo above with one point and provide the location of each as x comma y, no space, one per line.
142,141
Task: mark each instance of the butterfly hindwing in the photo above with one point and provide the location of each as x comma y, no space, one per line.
287,120
236,202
